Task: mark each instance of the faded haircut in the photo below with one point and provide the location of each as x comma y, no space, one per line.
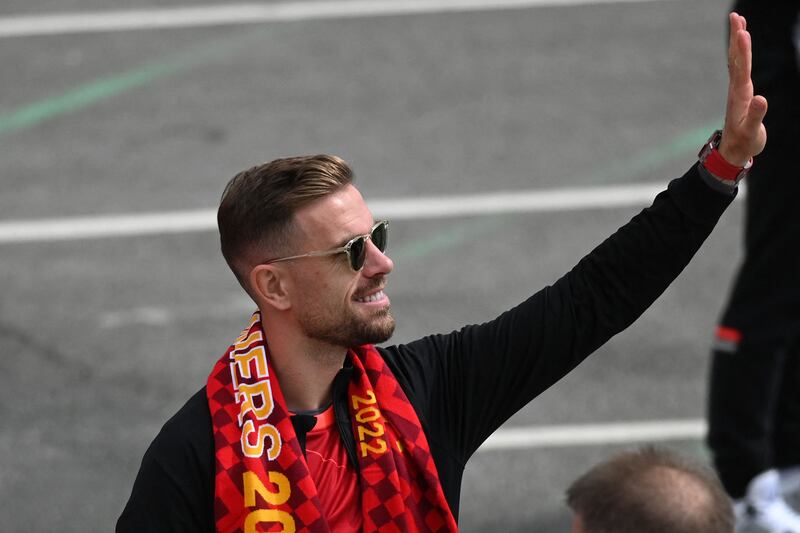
651,490
257,208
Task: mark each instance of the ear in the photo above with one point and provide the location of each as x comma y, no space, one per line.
269,284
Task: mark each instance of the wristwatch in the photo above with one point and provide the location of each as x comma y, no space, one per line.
716,165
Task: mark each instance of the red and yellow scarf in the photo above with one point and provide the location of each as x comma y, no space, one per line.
262,480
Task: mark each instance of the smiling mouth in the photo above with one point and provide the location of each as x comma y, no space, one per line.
380,295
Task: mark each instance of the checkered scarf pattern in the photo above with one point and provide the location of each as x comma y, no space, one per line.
262,479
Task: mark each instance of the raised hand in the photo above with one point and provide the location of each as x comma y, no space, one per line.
743,135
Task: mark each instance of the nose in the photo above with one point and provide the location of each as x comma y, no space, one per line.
376,263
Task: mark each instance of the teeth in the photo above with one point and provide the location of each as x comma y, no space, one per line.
371,298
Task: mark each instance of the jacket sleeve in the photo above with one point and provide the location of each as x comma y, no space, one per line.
174,489
467,383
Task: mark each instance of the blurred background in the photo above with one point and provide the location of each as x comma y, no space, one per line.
118,133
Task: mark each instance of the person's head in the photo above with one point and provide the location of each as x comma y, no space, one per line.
289,207
650,490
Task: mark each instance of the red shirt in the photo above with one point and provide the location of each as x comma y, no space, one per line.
336,479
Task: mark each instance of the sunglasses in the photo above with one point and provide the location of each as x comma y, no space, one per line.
356,248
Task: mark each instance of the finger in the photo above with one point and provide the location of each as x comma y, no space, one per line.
733,30
740,66
756,112
745,49
737,24
740,87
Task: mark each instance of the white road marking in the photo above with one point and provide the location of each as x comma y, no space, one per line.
199,16
76,228
594,434
490,203
511,438
153,316
163,316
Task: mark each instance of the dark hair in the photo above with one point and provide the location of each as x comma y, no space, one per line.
650,490
258,205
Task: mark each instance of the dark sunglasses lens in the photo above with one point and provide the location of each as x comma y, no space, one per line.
379,235
358,252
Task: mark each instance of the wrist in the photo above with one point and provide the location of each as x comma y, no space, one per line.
718,165
731,156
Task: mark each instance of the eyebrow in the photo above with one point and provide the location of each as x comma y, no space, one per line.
350,238
344,242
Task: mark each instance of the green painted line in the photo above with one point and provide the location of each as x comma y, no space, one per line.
458,232
104,88
450,235
86,95
687,142
81,97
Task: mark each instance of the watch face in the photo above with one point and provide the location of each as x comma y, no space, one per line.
704,152
715,139
711,144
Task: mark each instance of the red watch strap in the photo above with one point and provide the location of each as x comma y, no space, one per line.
720,168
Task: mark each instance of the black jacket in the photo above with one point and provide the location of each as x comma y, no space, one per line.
464,385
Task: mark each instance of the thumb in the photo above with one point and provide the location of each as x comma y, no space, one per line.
756,111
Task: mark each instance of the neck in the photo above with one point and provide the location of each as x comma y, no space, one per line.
305,367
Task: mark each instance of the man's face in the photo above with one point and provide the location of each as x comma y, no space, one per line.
330,301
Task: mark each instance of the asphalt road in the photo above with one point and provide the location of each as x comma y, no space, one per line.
103,339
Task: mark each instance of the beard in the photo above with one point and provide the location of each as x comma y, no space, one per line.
346,327
349,330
